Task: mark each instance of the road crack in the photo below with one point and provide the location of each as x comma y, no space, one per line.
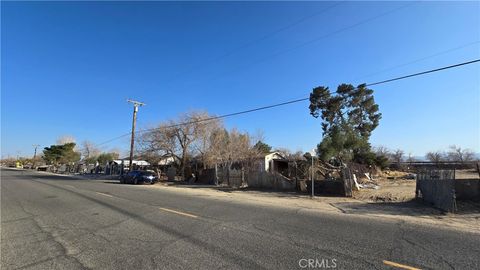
65,250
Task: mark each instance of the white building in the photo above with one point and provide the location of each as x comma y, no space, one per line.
273,161
126,162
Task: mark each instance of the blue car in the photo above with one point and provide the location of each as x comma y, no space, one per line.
139,177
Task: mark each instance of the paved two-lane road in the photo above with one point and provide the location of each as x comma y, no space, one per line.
51,222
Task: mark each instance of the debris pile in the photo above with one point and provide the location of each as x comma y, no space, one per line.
365,182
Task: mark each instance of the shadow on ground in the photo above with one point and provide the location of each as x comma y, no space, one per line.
260,191
407,208
53,177
276,193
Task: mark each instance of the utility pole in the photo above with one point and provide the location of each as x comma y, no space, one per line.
34,155
314,153
136,104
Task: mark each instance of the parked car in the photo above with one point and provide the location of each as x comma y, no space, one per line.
139,177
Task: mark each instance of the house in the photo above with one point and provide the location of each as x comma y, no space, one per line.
274,162
84,167
270,170
118,166
166,165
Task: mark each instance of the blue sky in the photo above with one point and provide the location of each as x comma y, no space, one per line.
68,68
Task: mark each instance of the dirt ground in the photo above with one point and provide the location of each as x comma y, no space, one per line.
408,211
467,174
394,187
390,190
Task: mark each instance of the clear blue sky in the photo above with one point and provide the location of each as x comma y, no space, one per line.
68,68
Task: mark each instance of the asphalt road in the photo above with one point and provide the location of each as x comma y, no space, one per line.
52,222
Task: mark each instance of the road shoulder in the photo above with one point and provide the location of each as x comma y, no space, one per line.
411,212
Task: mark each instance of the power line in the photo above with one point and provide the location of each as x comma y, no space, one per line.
282,52
250,43
211,118
229,115
303,99
114,139
314,40
424,72
419,59
296,100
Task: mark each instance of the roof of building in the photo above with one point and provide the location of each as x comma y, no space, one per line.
135,162
275,153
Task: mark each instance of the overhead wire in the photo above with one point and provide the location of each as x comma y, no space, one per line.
295,100
252,42
419,59
294,48
314,40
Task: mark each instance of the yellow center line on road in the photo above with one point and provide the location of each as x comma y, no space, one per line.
178,212
398,265
104,194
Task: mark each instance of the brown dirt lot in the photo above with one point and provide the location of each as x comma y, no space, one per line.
390,190
467,174
398,189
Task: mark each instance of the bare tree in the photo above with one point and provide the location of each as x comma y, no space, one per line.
397,156
410,158
460,155
89,150
65,139
434,156
382,151
285,152
298,155
229,147
158,142
202,143
240,146
183,137
186,133
219,141
232,147
116,152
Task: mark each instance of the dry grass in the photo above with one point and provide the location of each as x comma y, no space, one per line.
390,190
467,174
399,189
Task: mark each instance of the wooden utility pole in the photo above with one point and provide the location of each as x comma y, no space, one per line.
35,152
136,104
34,155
